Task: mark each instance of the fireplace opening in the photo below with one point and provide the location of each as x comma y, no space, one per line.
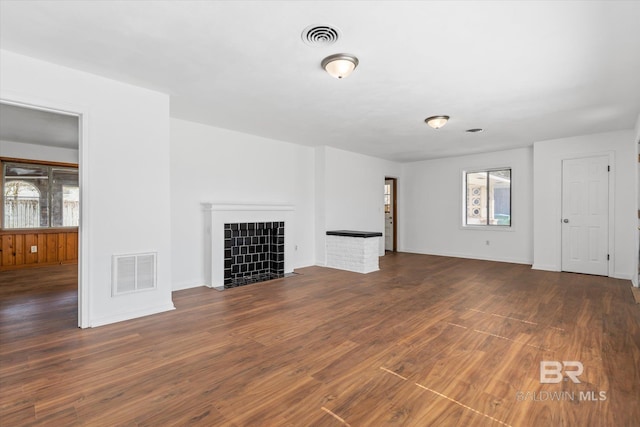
253,252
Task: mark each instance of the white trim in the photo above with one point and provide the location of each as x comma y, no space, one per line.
246,207
463,201
623,276
545,267
82,112
501,228
468,256
188,285
131,315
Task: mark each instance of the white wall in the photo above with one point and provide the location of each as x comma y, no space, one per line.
350,193
20,150
635,278
548,156
320,205
124,164
215,165
432,209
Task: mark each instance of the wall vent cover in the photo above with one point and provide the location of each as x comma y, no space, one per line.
133,273
320,35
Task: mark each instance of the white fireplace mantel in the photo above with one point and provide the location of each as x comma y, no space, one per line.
218,214
246,207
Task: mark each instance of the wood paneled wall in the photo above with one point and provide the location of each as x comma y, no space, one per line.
55,246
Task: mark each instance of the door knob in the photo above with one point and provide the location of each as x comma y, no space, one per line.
565,220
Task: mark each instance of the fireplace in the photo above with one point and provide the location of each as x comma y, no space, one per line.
278,226
254,252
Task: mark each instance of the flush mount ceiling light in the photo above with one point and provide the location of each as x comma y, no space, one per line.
437,122
340,65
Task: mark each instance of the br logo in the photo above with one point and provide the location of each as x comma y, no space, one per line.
551,371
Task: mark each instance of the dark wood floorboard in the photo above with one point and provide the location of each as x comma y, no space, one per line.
426,341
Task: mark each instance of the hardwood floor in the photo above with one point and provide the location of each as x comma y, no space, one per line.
426,341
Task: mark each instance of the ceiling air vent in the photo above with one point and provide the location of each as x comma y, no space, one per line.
320,35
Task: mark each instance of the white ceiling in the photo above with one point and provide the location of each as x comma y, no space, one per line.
523,71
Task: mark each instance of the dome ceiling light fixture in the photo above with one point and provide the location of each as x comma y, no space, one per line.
436,122
340,65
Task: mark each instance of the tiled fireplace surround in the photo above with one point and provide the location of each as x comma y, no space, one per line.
253,252
219,222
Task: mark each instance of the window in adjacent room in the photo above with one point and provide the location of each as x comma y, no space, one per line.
39,195
487,198
387,198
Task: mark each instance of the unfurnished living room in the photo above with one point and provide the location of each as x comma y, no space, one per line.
319,213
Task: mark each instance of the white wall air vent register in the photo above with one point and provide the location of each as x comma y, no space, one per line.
133,273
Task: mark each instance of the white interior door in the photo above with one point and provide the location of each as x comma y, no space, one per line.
585,215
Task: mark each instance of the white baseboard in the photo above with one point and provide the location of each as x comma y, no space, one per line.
622,276
187,285
131,315
544,267
468,256
303,265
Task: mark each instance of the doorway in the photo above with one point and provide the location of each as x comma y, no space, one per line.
34,140
390,214
585,215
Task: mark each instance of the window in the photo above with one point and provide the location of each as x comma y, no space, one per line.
488,198
387,198
39,195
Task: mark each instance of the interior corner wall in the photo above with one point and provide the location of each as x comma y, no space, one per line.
432,209
547,196
320,226
125,160
214,165
21,150
350,193
636,271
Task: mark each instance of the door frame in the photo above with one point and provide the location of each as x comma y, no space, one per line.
394,210
611,202
25,101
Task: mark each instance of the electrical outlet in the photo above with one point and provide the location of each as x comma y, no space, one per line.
34,249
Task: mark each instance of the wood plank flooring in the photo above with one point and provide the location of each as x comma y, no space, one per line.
426,341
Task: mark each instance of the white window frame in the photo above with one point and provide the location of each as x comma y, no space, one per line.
463,210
